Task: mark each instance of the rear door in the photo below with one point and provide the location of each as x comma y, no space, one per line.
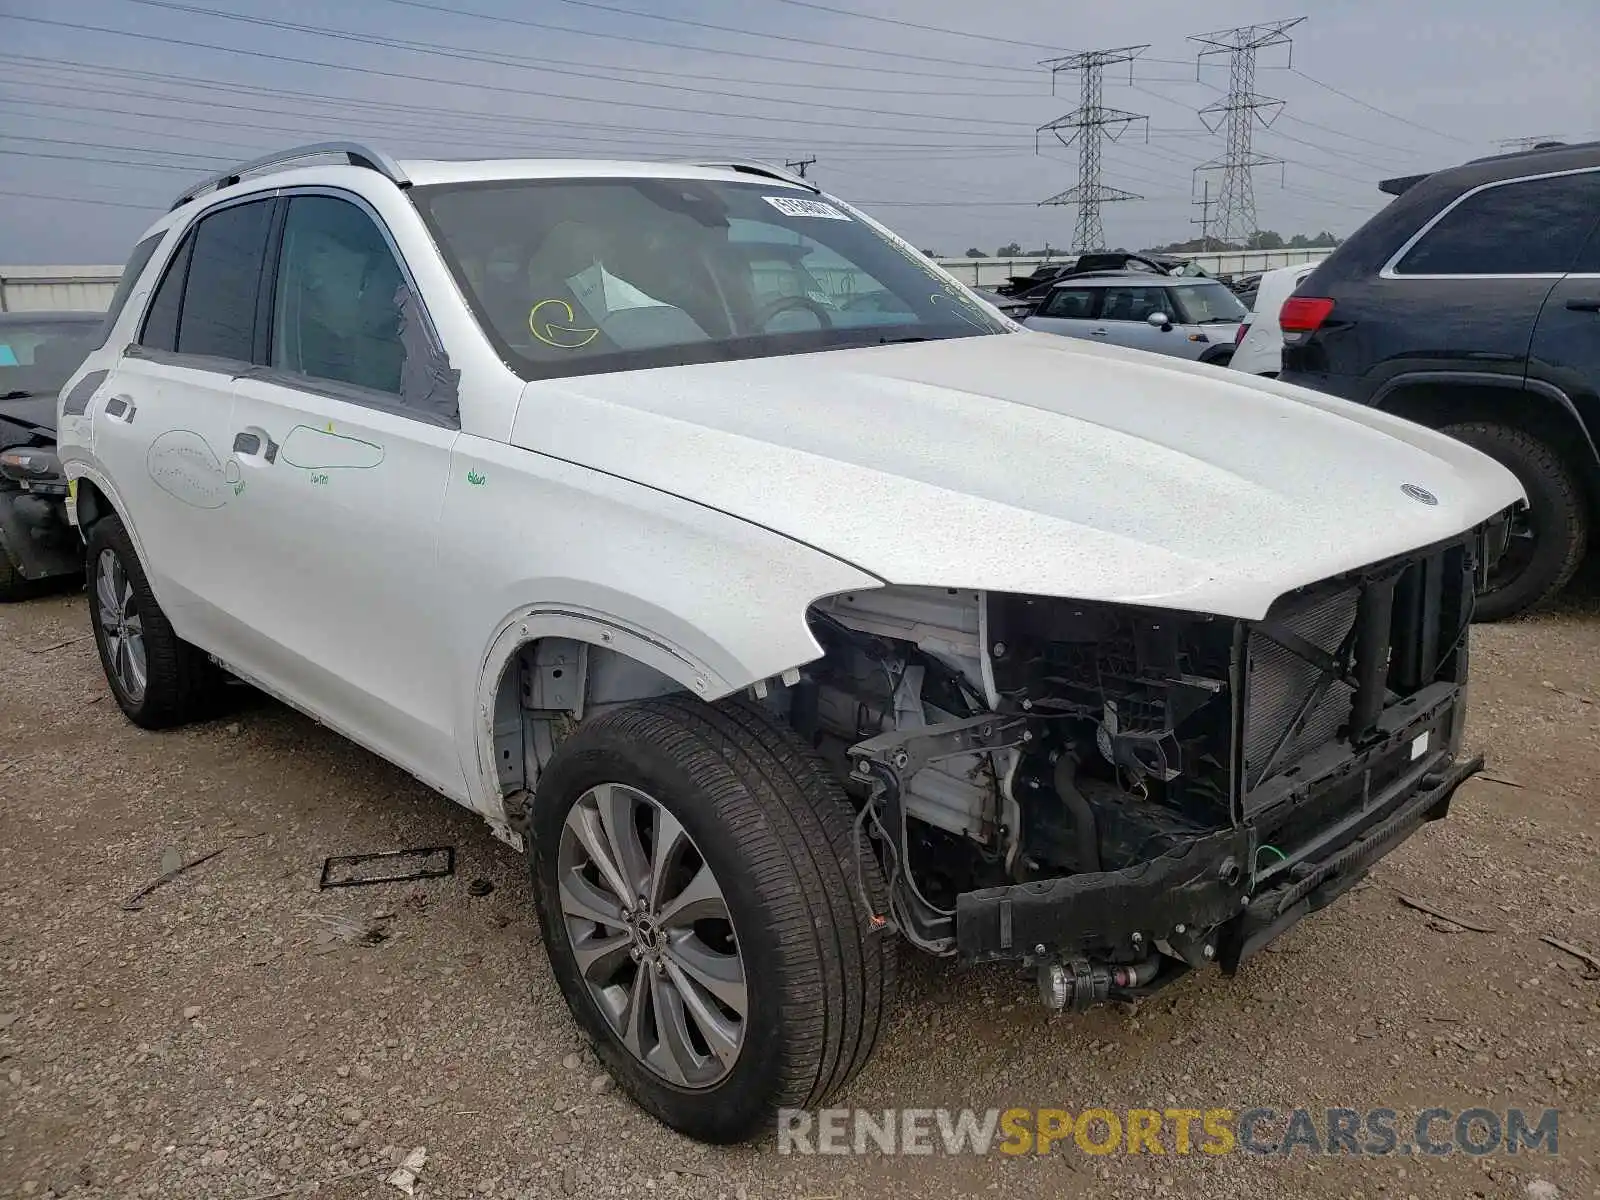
162,423
1068,310
345,438
1466,292
1566,343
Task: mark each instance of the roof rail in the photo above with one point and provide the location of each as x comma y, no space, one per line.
771,172
357,154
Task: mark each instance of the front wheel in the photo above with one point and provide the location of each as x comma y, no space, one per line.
1548,536
700,889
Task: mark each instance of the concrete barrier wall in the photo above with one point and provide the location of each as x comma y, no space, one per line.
76,289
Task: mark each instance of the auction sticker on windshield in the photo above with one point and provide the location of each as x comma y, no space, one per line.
793,206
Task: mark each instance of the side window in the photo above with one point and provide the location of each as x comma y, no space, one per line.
1072,304
337,307
218,314
1531,227
161,318
1133,303
137,262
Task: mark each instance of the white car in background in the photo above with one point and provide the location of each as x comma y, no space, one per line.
1260,349
779,629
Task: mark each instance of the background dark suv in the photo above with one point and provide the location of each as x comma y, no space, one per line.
1472,304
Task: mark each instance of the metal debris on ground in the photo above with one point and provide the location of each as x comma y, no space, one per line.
1424,907
390,866
172,865
479,887
404,1176
357,931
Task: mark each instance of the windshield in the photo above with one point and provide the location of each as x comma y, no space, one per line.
38,357
574,277
1207,303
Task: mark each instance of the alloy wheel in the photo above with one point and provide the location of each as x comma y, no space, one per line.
121,625
650,929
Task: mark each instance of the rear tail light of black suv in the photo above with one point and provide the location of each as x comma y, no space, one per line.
1301,316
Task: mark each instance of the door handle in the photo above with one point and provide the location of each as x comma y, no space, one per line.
249,444
121,408
1097,333
1584,304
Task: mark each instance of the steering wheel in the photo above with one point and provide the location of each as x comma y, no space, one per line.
772,308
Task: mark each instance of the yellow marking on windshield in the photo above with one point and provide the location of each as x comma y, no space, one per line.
562,337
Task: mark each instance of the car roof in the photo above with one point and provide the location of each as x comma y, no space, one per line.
429,172
1495,167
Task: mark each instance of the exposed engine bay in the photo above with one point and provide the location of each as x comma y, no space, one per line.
1105,791
1109,794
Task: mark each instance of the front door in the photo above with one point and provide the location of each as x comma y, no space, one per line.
1068,310
162,423
344,464
1124,319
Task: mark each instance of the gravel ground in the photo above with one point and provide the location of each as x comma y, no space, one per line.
236,1036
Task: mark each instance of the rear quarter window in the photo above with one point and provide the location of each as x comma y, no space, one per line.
1522,227
137,262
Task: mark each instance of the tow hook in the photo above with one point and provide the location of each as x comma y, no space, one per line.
1083,984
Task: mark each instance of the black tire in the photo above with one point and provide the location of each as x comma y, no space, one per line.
181,683
1557,514
777,832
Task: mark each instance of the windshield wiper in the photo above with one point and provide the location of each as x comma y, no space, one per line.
17,395
895,341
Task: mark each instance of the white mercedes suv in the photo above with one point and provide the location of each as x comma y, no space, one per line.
778,596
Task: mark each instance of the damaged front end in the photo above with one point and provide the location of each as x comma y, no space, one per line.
1114,795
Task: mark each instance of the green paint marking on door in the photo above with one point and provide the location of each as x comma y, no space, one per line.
476,479
238,488
319,479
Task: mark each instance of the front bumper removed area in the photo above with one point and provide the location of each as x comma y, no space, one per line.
36,536
1209,900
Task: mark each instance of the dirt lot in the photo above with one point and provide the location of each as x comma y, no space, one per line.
228,1041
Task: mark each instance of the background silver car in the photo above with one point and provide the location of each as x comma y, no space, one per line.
1184,316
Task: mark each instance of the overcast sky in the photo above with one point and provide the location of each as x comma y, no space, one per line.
932,130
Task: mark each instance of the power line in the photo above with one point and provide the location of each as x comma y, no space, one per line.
861,16
612,69
878,68
606,75
433,79
1091,123
783,37
498,121
1238,115
1383,112
153,206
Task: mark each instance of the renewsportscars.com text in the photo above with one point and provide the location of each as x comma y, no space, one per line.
1178,1131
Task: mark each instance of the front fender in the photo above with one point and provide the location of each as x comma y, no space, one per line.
533,546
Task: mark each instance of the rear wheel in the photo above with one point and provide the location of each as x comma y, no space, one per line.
158,679
695,870
1548,536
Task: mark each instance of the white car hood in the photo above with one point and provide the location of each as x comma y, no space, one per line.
1031,463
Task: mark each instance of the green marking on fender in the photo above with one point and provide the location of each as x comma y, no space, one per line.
319,479
476,479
